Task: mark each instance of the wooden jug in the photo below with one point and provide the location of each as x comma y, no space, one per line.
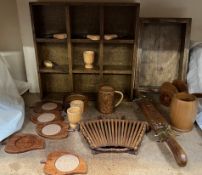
106,99
183,111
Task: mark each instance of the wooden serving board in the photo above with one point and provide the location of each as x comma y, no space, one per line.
50,168
61,134
163,51
47,106
20,143
35,117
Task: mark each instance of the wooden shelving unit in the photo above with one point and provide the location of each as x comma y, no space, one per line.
114,59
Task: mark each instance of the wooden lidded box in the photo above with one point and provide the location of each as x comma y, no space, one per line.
163,50
114,59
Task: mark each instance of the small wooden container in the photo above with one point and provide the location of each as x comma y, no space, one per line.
105,99
183,111
167,91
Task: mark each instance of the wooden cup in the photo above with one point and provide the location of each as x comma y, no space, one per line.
105,99
74,116
88,57
78,103
183,111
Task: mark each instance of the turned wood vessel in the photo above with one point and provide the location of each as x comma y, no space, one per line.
67,100
167,91
183,111
106,96
180,85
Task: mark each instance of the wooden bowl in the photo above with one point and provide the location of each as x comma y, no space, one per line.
167,91
67,100
180,85
183,111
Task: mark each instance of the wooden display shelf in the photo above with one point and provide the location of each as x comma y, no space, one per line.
79,20
50,40
81,69
63,69
114,69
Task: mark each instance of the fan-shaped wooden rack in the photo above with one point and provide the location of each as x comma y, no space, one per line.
114,134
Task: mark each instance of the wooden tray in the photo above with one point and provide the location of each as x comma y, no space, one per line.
163,51
20,143
35,116
39,107
61,134
114,134
50,168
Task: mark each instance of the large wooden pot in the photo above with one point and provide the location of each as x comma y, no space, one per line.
183,111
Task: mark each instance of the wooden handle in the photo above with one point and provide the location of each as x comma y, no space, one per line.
121,98
178,152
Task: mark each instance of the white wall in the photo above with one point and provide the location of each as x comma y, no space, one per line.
10,39
149,8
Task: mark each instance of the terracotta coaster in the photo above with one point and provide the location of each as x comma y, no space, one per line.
53,130
46,117
47,106
20,143
64,163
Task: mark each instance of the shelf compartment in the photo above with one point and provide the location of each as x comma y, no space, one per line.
60,69
163,51
85,19
83,70
55,52
77,54
119,82
50,40
49,19
118,55
84,83
117,23
55,83
117,69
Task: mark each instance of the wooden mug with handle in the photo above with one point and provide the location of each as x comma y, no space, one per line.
106,96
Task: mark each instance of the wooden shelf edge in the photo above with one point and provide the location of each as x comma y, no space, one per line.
125,70
84,41
56,70
119,41
50,40
82,70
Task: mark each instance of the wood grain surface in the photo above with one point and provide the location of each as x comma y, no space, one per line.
20,143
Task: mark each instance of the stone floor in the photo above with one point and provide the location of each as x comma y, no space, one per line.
153,158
